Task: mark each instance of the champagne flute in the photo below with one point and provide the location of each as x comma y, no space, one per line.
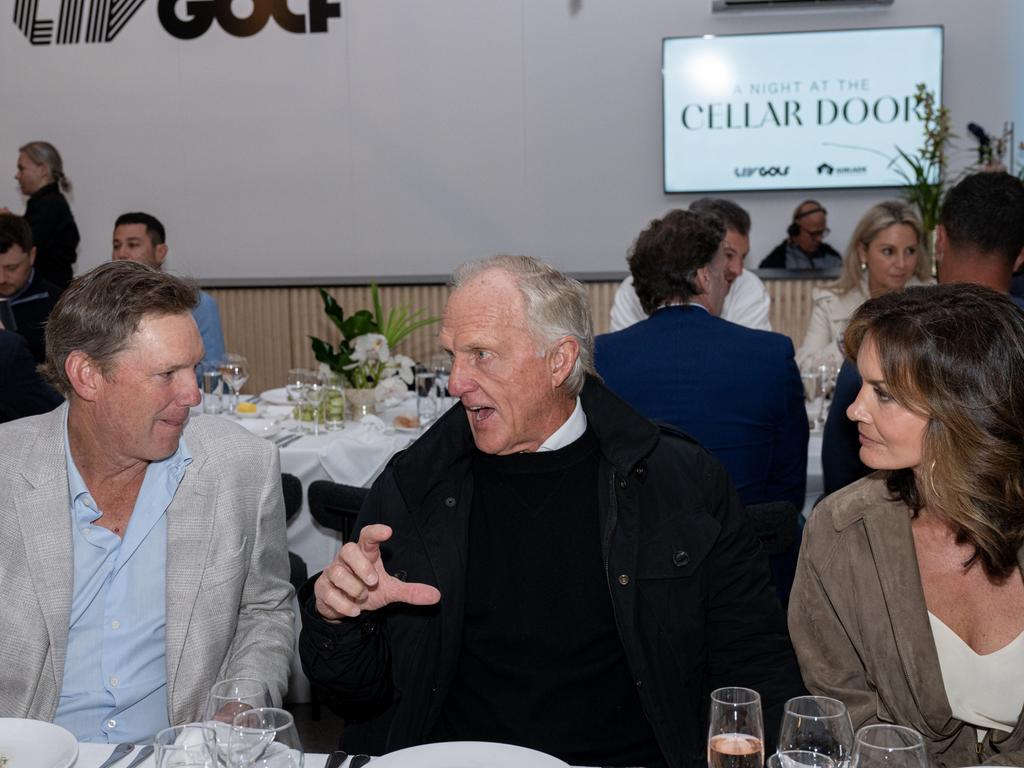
193,745
265,738
234,369
888,746
295,386
816,724
736,729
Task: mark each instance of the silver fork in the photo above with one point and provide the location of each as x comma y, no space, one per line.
119,752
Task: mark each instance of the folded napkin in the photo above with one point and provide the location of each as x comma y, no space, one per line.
358,454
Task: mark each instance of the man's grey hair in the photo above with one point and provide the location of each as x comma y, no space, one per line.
555,305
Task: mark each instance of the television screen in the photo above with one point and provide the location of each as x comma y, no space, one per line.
799,110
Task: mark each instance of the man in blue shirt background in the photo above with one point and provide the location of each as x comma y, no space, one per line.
141,237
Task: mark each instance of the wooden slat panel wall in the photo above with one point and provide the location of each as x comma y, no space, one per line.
272,326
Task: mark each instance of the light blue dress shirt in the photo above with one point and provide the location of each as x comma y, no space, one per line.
115,673
207,317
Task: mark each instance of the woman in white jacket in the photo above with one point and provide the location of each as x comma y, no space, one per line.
885,254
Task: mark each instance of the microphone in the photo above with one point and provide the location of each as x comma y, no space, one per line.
979,133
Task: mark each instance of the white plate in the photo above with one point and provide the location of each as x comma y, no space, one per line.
262,427
36,744
277,396
467,754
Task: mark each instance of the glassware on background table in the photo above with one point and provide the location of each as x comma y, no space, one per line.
888,746
193,745
236,694
427,395
264,738
799,758
334,403
736,729
212,398
234,369
294,385
814,395
817,724
442,367
316,391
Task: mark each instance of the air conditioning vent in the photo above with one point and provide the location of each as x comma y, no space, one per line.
722,6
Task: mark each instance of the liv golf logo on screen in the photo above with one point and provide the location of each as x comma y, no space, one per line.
100,21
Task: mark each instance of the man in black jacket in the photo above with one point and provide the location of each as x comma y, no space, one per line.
544,567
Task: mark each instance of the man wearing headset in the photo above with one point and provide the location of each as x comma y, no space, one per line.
805,246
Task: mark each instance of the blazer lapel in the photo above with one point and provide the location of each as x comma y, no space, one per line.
189,533
892,546
43,513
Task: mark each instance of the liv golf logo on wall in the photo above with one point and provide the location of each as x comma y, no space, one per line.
100,21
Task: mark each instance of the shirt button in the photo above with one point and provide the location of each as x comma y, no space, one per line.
623,579
113,681
115,624
111,723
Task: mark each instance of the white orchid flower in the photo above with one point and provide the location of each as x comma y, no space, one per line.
406,367
392,387
370,346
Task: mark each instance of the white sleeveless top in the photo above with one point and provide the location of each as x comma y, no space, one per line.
986,691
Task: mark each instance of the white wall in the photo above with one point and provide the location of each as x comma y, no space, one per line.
414,135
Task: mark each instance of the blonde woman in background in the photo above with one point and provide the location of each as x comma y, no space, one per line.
885,254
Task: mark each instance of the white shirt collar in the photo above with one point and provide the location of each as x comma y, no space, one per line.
571,431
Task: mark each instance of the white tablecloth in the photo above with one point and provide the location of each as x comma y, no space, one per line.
93,755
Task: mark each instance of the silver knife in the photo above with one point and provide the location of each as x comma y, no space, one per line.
119,751
141,757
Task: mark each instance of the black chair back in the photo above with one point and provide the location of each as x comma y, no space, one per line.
292,488
336,506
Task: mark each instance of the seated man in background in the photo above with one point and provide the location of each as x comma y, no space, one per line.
143,555
544,567
141,237
22,390
29,296
980,240
805,246
736,390
746,299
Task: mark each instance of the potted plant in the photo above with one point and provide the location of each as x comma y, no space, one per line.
365,358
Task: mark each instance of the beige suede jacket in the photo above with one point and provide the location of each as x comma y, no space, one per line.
860,628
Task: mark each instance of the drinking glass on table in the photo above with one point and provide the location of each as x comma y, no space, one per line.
212,401
426,395
264,738
229,698
193,745
442,367
334,402
816,724
315,390
234,369
736,729
888,746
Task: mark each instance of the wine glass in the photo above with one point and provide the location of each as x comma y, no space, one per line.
234,369
736,729
230,697
295,386
816,724
193,745
264,738
888,746
800,758
315,390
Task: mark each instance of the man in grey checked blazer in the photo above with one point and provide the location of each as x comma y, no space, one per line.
226,592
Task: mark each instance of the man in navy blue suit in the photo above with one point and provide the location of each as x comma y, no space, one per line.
736,390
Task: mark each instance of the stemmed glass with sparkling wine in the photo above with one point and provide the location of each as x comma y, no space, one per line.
815,725
736,729
888,746
264,738
234,369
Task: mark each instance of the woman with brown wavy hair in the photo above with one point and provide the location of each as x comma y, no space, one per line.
909,600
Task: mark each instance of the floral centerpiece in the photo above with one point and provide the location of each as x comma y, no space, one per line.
365,358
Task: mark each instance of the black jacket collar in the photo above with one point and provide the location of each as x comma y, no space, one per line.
624,435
